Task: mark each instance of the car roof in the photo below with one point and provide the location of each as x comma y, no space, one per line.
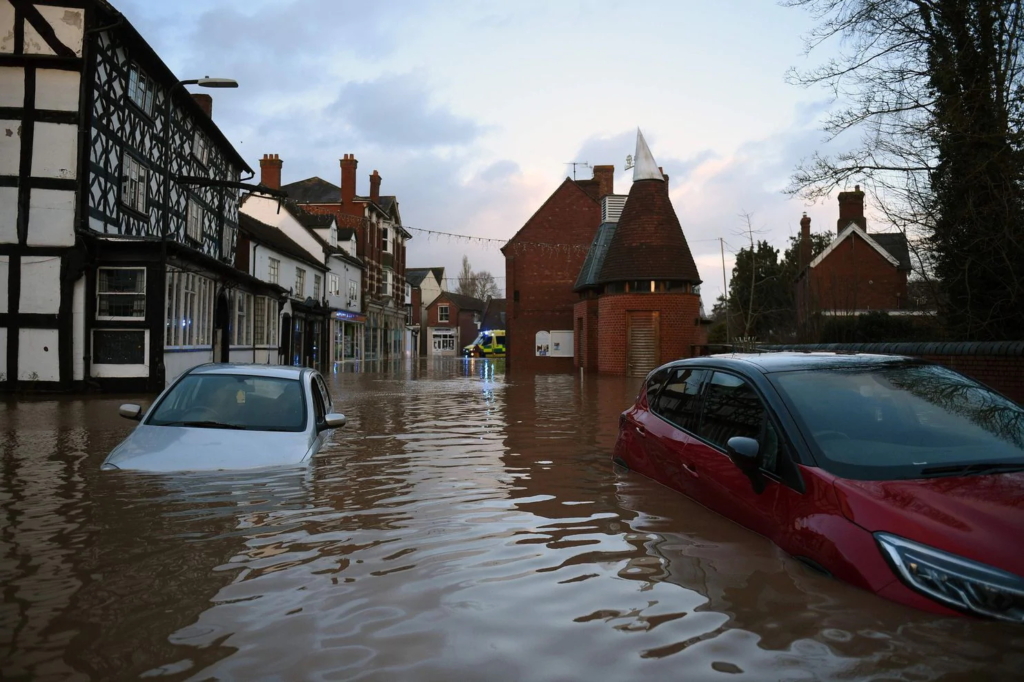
274,371
789,361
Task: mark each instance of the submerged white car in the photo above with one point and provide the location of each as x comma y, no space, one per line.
226,416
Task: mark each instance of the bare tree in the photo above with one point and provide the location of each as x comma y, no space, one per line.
479,285
929,84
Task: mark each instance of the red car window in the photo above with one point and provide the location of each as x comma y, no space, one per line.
679,400
733,408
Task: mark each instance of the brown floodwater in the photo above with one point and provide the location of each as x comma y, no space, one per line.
463,526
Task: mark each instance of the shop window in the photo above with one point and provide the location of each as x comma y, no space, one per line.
189,317
259,321
243,320
443,340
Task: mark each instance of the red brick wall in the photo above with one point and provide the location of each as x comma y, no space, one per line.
417,297
1004,373
677,334
432,318
856,277
585,314
544,275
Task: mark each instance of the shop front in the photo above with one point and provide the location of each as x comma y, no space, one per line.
347,335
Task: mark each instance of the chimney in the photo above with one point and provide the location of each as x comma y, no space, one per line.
375,187
205,102
805,242
605,176
270,171
348,178
851,209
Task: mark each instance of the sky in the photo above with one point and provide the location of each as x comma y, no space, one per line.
471,111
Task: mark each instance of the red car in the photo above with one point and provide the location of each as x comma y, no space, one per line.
898,476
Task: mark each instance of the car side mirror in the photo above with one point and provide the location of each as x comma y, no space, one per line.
333,421
744,452
130,411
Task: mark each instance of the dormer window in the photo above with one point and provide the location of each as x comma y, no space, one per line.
140,89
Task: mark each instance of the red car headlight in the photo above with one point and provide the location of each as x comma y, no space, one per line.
955,581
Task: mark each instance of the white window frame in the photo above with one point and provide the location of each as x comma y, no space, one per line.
188,315
141,89
259,326
317,286
273,318
333,284
386,278
300,282
443,339
444,313
134,184
107,293
273,270
241,329
201,147
106,370
353,292
386,238
194,220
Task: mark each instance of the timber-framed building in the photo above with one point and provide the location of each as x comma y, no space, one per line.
118,211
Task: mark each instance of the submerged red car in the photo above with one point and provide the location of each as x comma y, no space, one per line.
899,476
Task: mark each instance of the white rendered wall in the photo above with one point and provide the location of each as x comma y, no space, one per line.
176,363
51,218
10,147
12,86
57,90
8,215
67,24
40,285
37,355
6,27
55,151
264,209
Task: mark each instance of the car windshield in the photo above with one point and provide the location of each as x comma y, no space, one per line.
233,401
904,421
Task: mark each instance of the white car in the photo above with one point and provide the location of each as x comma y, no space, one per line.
227,416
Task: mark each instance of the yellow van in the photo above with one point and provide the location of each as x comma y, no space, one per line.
489,344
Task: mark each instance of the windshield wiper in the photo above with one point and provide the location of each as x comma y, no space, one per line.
206,425
975,468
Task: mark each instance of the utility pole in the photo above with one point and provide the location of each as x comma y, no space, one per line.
725,292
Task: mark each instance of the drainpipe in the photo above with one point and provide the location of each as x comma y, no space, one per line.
252,267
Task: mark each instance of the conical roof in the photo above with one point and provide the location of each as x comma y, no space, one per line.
648,242
644,165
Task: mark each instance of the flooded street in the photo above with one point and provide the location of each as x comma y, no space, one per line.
462,526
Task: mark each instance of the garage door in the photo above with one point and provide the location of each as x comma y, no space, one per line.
642,351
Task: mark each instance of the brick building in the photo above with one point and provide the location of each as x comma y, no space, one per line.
453,321
380,244
425,285
541,263
639,302
858,272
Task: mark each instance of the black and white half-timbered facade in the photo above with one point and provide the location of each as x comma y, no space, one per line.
118,210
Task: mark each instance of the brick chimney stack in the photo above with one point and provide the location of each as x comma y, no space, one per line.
348,179
205,102
270,171
375,187
851,209
605,176
805,242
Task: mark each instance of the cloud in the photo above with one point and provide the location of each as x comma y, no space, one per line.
397,110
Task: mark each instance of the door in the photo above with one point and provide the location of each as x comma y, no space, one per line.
641,342
731,407
673,419
222,328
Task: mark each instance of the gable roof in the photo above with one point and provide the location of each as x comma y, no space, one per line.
439,274
595,257
462,301
851,230
558,190
275,239
346,233
896,244
494,314
648,242
313,191
415,276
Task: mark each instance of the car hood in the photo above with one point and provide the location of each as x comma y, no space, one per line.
182,448
978,517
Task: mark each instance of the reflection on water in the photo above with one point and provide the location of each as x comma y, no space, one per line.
460,527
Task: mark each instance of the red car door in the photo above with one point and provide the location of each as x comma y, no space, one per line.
672,416
731,407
